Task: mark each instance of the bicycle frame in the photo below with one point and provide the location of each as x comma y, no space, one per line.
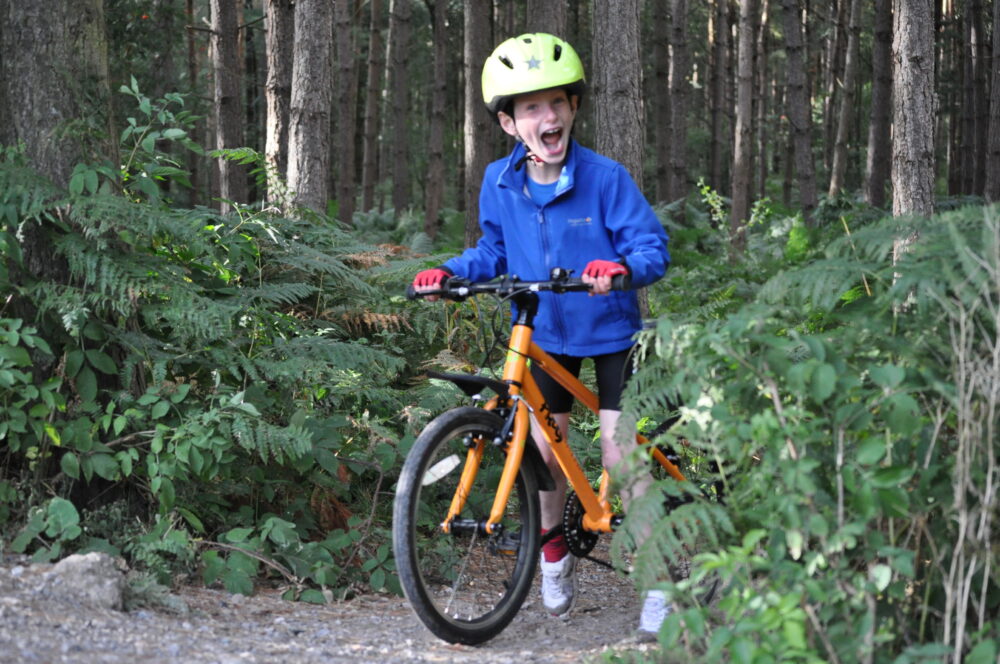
526,398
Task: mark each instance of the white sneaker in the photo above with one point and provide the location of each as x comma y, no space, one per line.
654,610
559,585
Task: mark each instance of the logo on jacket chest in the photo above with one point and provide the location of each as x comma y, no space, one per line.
579,221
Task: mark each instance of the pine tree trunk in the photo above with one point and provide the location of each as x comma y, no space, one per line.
433,199
547,16
369,160
839,168
165,19
719,40
660,95
478,125
279,33
309,125
763,47
879,144
833,75
981,98
193,161
228,75
913,109
400,29
680,67
797,100
618,115
346,97
53,56
992,187
967,127
743,153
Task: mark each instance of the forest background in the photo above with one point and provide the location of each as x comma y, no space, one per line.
210,210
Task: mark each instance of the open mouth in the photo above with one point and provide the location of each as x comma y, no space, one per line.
552,137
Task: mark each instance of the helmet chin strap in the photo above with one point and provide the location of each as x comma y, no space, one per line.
528,155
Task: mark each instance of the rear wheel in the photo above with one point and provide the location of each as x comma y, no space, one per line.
465,585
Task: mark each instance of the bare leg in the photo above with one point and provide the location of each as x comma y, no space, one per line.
616,446
552,502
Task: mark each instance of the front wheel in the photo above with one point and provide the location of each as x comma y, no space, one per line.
466,586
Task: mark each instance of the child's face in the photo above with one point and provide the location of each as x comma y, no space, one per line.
543,120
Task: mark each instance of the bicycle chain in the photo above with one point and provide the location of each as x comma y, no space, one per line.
579,541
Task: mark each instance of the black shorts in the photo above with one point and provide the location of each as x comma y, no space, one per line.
613,371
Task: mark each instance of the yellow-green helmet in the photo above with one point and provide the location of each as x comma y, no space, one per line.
529,63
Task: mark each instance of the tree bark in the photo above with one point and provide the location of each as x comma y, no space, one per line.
400,28
433,199
967,112
839,168
680,67
799,117
913,108
346,110
992,188
618,113
279,33
228,74
763,78
743,154
719,54
880,123
547,16
833,75
981,80
660,95
53,71
309,125
369,160
477,125
54,58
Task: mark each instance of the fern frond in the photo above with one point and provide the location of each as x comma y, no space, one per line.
669,538
276,293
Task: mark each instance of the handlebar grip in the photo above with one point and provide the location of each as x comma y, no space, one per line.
621,282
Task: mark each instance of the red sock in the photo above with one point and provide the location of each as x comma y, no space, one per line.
555,549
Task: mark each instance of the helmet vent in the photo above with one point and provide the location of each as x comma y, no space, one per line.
527,40
557,52
504,59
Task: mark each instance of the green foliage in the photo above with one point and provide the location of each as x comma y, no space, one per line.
854,433
49,527
146,164
219,371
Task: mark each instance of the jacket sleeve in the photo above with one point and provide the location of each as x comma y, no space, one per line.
488,258
636,233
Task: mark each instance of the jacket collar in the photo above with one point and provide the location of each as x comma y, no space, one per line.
516,179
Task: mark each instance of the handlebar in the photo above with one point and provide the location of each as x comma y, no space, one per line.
457,288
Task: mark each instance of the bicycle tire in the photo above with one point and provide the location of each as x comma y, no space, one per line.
465,587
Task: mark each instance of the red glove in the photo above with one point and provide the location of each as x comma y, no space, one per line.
433,278
601,268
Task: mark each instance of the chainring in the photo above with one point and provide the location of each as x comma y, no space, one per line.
579,541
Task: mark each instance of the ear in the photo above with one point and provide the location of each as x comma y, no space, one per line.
507,123
574,101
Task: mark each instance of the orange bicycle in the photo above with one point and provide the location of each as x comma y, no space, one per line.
466,517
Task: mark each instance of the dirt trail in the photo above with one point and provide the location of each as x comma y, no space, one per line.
216,627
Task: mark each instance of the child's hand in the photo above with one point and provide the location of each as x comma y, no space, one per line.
598,274
433,279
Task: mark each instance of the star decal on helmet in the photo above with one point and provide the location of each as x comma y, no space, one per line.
534,63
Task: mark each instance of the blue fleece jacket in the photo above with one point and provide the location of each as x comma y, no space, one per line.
598,213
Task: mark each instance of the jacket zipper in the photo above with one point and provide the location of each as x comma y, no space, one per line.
556,307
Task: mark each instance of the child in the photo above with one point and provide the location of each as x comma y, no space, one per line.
553,203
